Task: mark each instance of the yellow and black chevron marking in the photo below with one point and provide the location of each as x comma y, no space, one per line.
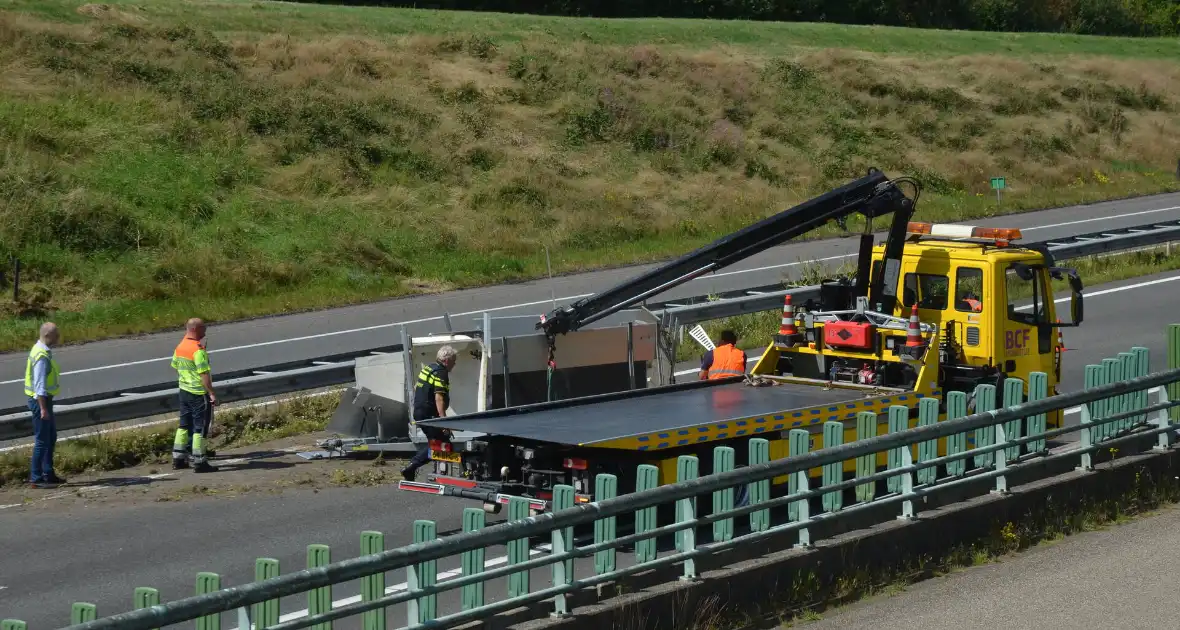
782,421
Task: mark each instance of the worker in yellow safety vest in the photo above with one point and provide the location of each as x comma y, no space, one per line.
197,399
42,383
724,361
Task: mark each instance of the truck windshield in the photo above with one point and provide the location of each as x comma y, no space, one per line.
929,289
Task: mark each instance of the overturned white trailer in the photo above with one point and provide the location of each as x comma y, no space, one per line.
502,362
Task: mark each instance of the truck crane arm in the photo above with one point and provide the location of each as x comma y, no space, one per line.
873,195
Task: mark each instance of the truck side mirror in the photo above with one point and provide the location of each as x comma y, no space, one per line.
1075,298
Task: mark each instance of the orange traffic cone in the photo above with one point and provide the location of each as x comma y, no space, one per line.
913,333
788,324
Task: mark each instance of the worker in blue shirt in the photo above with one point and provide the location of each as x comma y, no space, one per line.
42,383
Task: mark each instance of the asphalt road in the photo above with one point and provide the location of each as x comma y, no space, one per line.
1114,578
100,553
139,361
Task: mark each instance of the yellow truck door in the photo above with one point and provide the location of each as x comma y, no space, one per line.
1024,340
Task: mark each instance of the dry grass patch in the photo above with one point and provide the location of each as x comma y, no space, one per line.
238,172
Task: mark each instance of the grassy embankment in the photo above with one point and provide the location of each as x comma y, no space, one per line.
756,329
229,159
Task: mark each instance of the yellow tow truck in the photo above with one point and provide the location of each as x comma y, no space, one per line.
934,308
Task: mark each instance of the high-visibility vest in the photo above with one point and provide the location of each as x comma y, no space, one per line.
52,384
727,361
190,361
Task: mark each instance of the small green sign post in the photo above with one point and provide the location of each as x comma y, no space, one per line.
998,184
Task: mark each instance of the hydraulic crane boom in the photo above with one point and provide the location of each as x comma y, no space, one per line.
873,195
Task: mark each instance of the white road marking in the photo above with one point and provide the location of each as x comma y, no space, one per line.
91,488
307,337
512,306
1116,216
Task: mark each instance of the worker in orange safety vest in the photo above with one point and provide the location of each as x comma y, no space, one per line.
725,360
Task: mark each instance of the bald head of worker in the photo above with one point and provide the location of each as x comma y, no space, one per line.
195,328
49,334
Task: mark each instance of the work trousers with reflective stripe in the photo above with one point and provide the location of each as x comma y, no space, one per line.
195,414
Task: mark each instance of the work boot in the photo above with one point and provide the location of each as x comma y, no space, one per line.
204,467
408,474
53,478
179,464
43,485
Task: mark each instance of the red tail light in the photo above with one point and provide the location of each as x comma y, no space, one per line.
439,445
575,463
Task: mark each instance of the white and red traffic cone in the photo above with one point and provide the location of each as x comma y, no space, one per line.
787,327
788,332
913,333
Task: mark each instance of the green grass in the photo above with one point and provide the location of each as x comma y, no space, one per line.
251,18
755,330
230,159
232,428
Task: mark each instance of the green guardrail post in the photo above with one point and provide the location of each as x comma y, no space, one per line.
82,612
473,561
422,575
899,420
1013,396
1038,389
605,487
759,491
1114,404
266,614
1091,412
834,472
518,550
562,541
723,461
646,478
866,465
985,400
1127,364
1173,363
1142,368
688,467
145,597
209,583
927,449
319,600
373,586
13,624
956,407
798,443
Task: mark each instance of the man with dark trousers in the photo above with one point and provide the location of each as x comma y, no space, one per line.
432,396
195,380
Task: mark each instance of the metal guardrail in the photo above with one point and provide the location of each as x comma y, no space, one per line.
285,378
1114,411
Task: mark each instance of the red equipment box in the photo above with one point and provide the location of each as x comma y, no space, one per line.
857,335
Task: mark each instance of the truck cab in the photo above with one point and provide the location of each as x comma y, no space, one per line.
993,303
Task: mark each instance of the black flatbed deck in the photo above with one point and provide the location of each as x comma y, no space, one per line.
642,412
